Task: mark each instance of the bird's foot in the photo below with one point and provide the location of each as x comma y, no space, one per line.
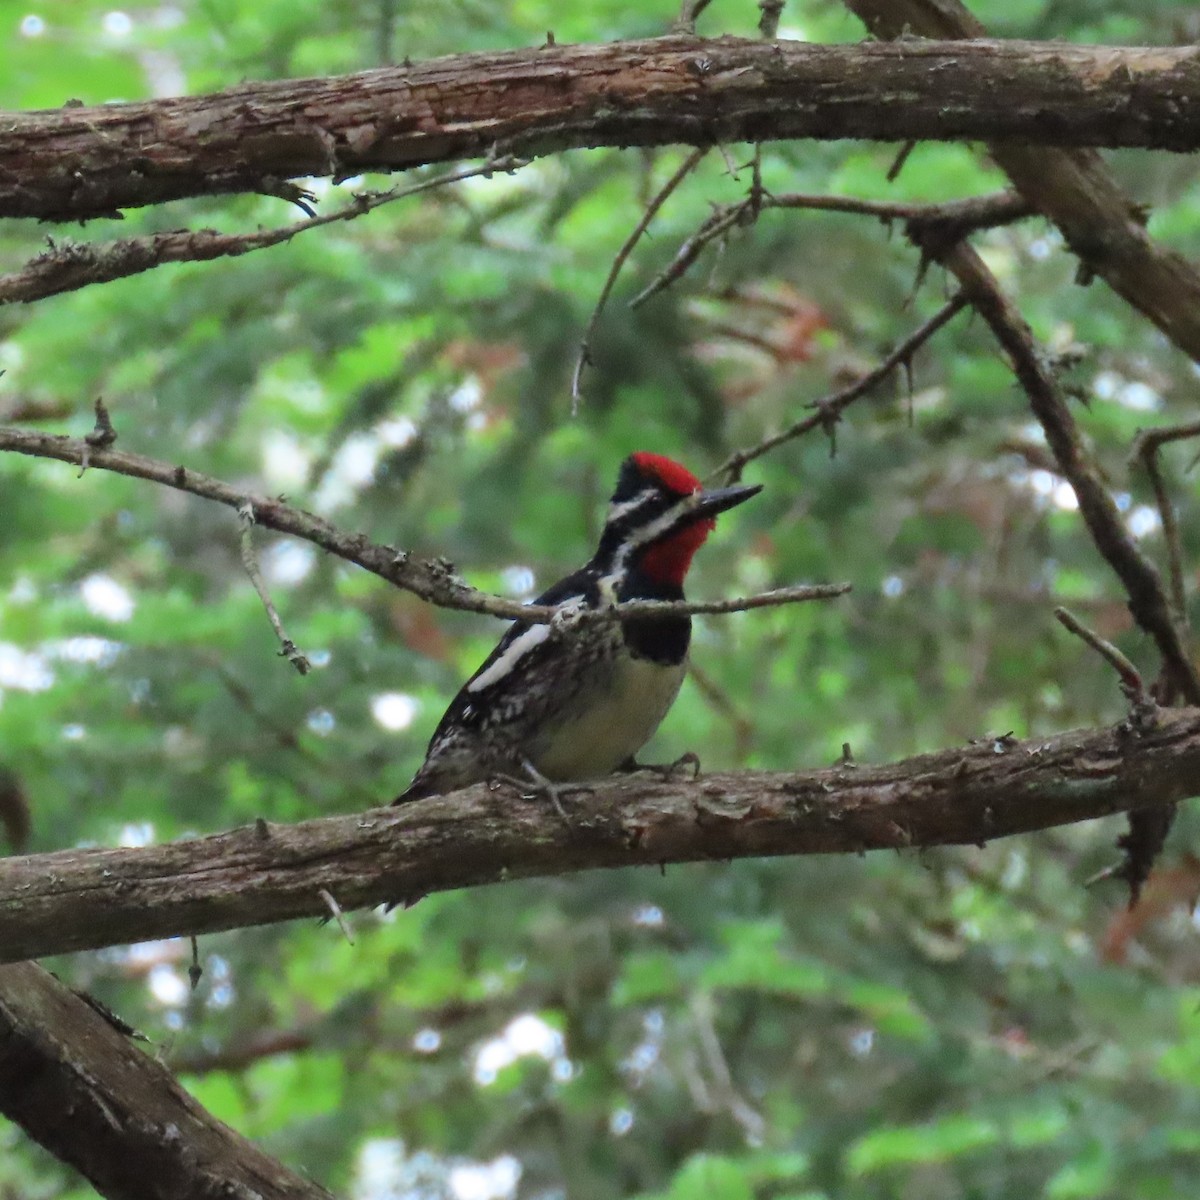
537,783
665,770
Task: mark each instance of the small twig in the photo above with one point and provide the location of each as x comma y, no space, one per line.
828,409
1131,679
335,910
103,435
714,227
657,201
893,172
250,562
1145,450
195,970
786,595
949,221
689,13
71,266
768,22
745,1114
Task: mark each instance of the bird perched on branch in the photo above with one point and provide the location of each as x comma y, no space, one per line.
577,698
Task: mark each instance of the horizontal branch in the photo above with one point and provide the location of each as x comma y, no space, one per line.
431,579
86,899
68,266
93,161
81,1087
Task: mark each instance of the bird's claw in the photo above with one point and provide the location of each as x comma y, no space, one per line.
534,783
665,770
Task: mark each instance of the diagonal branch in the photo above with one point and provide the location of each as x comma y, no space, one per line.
81,162
1143,584
829,409
1073,187
78,1084
85,899
431,579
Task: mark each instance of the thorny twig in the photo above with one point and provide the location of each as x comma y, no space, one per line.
952,219
431,579
71,266
250,562
828,409
657,201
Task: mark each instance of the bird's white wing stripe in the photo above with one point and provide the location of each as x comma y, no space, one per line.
521,645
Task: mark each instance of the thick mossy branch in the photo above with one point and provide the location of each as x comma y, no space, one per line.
85,899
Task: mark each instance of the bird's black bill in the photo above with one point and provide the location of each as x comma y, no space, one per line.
718,500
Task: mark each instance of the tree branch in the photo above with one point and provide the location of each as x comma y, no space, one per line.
828,410
1074,188
86,899
431,579
665,90
74,265
1148,600
78,1085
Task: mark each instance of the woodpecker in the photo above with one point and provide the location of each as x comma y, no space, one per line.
576,699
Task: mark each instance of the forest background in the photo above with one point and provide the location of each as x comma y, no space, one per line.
944,1023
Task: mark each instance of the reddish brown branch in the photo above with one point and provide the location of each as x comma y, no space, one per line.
84,899
93,161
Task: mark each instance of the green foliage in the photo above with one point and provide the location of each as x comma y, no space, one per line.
955,1025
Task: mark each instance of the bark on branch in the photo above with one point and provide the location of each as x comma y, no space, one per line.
80,162
1074,188
77,1084
86,899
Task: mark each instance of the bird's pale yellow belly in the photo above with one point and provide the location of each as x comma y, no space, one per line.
603,726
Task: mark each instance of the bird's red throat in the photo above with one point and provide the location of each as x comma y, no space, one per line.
668,561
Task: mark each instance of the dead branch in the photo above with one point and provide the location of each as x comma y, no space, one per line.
1073,187
83,162
78,1085
431,579
1143,585
829,409
73,265
84,899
